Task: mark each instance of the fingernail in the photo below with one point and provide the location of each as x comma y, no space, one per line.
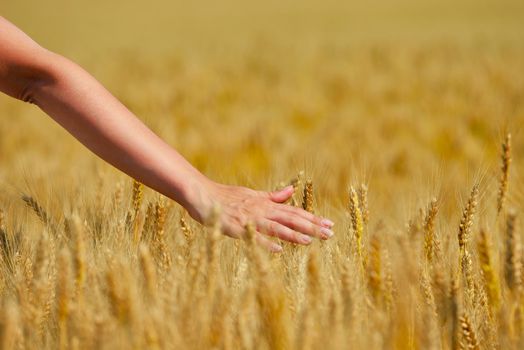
287,188
276,248
306,239
327,223
327,233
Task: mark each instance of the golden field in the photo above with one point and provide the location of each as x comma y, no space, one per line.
412,101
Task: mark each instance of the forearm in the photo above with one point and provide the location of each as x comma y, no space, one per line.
79,103
75,100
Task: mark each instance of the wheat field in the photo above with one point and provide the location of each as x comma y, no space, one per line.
402,122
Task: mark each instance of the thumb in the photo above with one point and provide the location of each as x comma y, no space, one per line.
280,196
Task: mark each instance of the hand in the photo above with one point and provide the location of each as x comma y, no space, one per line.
240,205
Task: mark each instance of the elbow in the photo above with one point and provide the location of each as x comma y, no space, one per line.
31,80
32,88
27,94
31,91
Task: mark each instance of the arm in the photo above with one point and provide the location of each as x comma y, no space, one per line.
80,104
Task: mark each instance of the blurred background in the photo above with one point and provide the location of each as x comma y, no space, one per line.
74,27
411,98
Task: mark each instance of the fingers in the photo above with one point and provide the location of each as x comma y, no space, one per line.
294,211
268,244
302,225
238,232
275,229
282,195
272,217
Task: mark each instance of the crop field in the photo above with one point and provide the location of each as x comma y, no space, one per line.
403,122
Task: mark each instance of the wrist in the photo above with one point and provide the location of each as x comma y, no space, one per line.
197,196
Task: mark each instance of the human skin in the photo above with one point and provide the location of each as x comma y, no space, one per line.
81,105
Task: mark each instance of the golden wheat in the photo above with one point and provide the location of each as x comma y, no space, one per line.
431,243
307,200
491,282
513,251
108,263
356,220
504,176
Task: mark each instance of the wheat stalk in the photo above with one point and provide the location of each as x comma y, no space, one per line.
454,312
2,220
213,262
513,251
296,182
38,210
356,219
148,272
468,334
466,221
465,261
159,237
486,265
117,283
363,202
137,195
504,176
307,201
64,295
431,245
12,327
374,267
189,237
